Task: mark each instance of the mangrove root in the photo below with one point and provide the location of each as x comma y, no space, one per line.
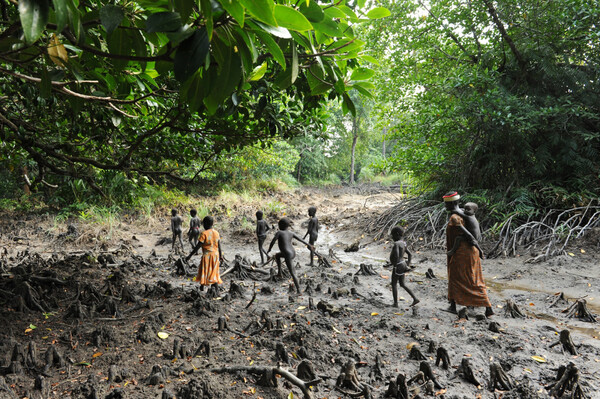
365,270
566,341
270,378
511,309
567,380
579,310
465,371
442,356
499,379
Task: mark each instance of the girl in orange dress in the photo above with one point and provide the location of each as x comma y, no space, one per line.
209,241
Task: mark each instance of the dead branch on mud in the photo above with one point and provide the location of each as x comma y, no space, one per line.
548,236
268,376
579,310
423,218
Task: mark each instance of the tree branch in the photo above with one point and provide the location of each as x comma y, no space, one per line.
505,35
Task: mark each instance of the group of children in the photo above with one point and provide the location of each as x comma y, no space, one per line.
212,255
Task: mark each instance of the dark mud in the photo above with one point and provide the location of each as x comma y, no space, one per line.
116,321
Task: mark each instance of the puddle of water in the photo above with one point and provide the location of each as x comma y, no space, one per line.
500,287
591,332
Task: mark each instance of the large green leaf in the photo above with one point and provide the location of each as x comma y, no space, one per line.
272,46
362,90
163,22
34,17
312,11
273,30
235,9
119,43
61,11
294,68
328,27
362,73
258,72
111,17
191,55
194,91
378,12
348,11
289,18
334,12
184,7
261,10
316,81
348,105
369,58
208,18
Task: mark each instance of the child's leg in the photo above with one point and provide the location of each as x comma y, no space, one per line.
278,261
290,266
403,285
395,288
261,250
311,241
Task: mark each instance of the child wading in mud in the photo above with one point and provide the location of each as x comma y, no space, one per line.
286,250
261,234
312,232
194,231
176,229
399,265
212,255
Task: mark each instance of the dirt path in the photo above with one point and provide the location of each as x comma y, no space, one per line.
108,339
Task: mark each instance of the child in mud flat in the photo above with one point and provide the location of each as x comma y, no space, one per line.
261,233
194,231
399,266
176,223
212,255
312,232
472,233
286,250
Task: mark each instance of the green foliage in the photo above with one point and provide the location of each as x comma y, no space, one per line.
158,88
255,165
499,96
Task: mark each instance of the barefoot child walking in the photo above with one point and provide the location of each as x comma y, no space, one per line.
286,250
261,234
194,231
212,255
399,265
312,232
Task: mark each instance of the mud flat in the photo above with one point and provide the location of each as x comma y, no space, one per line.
118,322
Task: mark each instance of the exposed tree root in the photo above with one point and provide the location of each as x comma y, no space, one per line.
397,389
567,380
559,299
268,377
499,379
429,273
442,356
566,341
415,353
511,309
465,371
579,310
366,270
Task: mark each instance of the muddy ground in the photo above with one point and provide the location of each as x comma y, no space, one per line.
100,318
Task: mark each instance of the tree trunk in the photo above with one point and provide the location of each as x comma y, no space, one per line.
355,123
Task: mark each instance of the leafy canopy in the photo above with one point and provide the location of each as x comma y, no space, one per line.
492,95
158,87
